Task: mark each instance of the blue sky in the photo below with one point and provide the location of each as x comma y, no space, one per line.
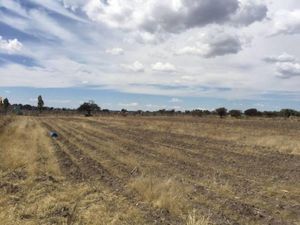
180,54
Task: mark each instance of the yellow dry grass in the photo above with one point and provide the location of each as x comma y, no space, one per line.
163,193
194,219
181,164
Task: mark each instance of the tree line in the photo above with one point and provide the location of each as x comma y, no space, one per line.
91,108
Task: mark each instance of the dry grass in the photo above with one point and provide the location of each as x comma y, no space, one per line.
229,170
194,219
163,193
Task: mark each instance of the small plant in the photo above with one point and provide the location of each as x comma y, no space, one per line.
193,219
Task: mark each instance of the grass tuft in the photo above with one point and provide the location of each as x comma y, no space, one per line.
193,219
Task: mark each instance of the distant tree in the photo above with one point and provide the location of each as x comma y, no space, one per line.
235,113
88,108
40,104
206,112
270,113
106,111
252,112
139,112
288,113
170,112
221,112
27,107
197,112
162,111
124,112
6,104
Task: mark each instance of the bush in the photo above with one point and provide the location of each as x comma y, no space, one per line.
221,112
252,112
197,112
235,113
288,113
270,114
88,108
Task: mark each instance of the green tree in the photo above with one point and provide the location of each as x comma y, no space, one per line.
252,112
288,113
124,112
6,104
235,113
40,103
88,108
221,112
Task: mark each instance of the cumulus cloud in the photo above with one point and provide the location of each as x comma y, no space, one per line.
284,57
135,67
249,12
214,42
11,45
286,22
157,15
163,67
286,65
288,69
115,51
172,16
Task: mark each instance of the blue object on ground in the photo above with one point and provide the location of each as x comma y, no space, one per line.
53,134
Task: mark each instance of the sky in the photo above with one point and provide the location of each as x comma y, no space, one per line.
151,54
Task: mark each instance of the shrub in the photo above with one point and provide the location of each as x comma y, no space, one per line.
193,219
221,112
88,108
197,112
252,112
235,113
288,113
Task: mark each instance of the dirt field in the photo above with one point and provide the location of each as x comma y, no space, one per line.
149,170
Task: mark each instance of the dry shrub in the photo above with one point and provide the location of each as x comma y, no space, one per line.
193,219
163,193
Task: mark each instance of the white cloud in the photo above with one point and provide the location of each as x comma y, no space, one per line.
135,67
163,67
160,15
131,105
286,65
288,69
173,16
284,57
286,22
214,42
11,45
73,4
173,100
115,51
249,12
74,54
55,6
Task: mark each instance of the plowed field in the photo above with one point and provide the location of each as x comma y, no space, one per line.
149,170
